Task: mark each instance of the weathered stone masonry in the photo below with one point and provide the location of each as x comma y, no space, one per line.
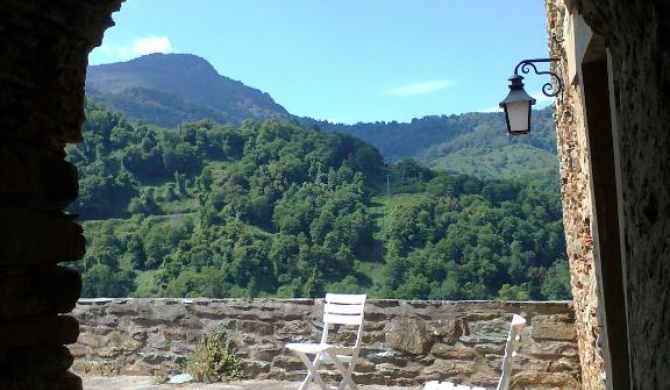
575,171
633,39
405,342
44,46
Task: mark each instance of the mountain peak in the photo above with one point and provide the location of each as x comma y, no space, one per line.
183,60
167,89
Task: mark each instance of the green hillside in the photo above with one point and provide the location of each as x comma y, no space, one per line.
167,89
472,143
273,208
507,161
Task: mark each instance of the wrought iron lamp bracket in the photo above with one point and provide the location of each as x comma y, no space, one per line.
548,88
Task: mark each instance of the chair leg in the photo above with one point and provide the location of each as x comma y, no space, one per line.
346,372
312,373
349,382
308,379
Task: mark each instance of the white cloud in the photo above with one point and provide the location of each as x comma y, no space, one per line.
420,88
150,45
141,46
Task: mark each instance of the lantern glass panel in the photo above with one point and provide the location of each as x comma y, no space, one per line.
518,117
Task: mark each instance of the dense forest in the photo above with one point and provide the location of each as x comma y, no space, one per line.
473,143
276,208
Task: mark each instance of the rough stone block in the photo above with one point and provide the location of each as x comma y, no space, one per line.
174,334
456,352
551,349
485,331
552,329
288,362
410,370
409,335
487,348
159,313
122,341
374,337
38,360
122,308
254,368
265,352
446,330
155,358
206,311
384,355
30,237
257,327
40,290
364,365
31,332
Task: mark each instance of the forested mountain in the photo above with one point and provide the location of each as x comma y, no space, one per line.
273,208
166,89
473,143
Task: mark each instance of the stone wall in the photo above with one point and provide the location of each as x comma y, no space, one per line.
637,35
405,342
578,213
45,44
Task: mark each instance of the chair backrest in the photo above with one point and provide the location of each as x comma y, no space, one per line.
344,309
513,343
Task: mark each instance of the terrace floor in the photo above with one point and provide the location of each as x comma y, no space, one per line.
148,383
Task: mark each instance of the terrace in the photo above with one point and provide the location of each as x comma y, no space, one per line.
405,343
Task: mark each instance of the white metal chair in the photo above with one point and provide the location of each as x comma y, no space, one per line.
344,309
512,345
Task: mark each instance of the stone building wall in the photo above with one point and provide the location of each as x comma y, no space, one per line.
578,214
637,37
638,34
405,342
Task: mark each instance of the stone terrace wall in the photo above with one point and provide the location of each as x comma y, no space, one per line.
405,342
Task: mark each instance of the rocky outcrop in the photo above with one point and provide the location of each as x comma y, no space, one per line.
405,342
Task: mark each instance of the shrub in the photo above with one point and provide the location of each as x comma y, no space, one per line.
214,360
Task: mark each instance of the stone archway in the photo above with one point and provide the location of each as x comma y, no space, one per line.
45,45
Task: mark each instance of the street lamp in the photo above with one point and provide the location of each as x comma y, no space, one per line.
518,104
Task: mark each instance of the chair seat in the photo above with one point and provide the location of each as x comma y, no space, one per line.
324,350
309,348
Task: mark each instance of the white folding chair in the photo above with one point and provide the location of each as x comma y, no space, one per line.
512,345
343,309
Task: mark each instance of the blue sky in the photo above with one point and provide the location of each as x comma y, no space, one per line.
347,60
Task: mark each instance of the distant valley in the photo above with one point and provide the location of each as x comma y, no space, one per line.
181,195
